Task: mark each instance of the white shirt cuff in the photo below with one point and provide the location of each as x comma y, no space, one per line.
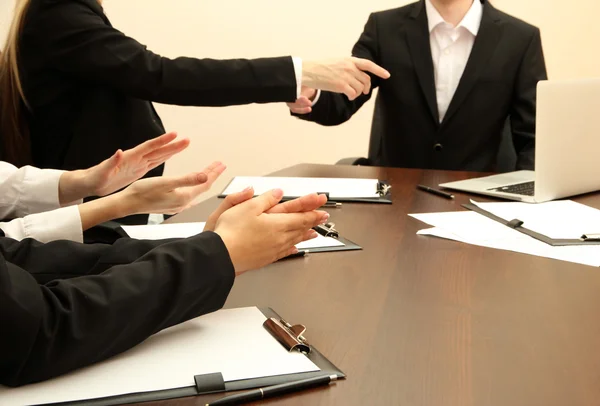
39,191
298,71
59,224
316,97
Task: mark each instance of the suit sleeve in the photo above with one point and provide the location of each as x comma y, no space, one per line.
334,108
76,40
112,299
522,114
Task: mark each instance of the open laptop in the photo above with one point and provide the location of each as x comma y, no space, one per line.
567,153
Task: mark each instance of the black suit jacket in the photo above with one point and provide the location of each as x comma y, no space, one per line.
64,305
499,81
89,87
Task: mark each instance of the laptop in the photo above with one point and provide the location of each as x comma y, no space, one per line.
567,153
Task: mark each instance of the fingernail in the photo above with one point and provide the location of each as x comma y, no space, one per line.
314,235
249,188
277,193
325,218
294,251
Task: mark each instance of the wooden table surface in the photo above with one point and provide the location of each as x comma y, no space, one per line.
416,320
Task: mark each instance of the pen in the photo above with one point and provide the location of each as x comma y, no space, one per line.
298,254
332,204
275,390
435,191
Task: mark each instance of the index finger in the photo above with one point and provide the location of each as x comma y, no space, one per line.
368,66
300,205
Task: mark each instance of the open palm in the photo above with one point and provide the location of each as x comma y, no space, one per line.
124,168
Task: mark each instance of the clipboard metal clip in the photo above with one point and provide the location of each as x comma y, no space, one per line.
383,188
590,237
327,230
291,337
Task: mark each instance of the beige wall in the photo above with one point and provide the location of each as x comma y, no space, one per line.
255,140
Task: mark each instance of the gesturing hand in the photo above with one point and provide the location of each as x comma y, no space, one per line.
256,232
123,168
169,195
347,75
301,205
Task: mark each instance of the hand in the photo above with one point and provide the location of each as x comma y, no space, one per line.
168,195
301,205
254,237
345,76
303,105
119,170
123,168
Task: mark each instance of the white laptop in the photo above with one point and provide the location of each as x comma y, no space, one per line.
567,152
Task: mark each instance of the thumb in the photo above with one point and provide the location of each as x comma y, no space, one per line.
266,201
113,162
191,179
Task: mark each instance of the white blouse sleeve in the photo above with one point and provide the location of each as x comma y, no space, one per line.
29,190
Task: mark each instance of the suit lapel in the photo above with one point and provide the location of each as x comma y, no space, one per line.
483,49
417,36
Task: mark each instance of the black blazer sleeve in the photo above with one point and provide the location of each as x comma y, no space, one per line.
334,108
522,113
65,305
75,37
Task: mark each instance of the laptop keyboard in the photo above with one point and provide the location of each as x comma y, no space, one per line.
525,189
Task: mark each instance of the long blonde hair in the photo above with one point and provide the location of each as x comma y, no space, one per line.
13,127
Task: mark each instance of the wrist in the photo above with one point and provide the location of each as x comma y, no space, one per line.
125,203
230,244
73,186
101,210
308,77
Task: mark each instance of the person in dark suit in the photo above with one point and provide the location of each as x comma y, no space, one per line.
65,305
459,69
76,89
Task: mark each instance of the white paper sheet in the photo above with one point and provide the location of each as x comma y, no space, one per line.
472,228
232,342
320,242
164,231
293,187
184,230
557,219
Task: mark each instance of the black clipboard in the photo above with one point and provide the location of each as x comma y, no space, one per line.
328,230
517,225
288,335
384,190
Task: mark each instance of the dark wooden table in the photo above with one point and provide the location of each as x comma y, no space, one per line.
416,320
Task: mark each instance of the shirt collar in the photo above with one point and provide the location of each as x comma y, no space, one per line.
471,21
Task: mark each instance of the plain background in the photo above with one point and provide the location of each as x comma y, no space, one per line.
258,139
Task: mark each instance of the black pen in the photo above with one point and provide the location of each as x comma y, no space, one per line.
332,205
275,390
435,191
298,254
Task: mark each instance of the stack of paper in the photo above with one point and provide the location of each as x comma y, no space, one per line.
560,219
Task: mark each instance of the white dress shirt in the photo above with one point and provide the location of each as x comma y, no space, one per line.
450,50
30,197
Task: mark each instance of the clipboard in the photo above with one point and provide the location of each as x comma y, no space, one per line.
328,230
290,336
383,190
516,224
